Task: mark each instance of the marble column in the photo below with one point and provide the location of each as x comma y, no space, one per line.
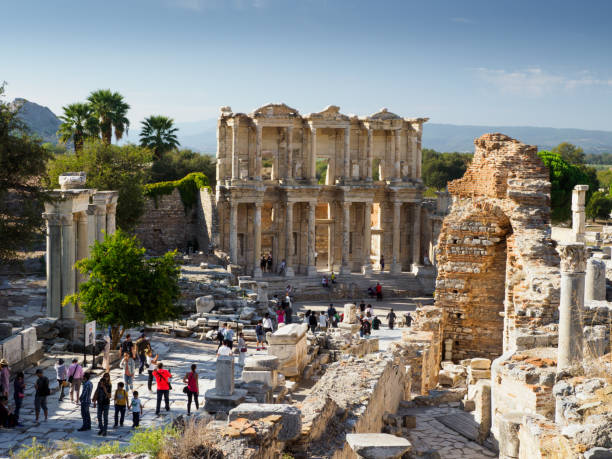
289,153
347,153
573,266
289,249
91,224
235,157
111,221
313,154
396,154
366,267
82,241
258,141
257,240
396,266
311,269
369,153
100,221
416,235
54,260
233,232
68,272
595,282
345,268
578,212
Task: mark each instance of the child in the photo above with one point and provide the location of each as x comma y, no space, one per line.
259,332
121,404
136,407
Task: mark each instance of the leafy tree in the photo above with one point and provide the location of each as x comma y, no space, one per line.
563,177
176,164
110,167
599,206
605,178
125,289
22,164
78,124
440,168
597,158
158,134
570,153
55,149
110,110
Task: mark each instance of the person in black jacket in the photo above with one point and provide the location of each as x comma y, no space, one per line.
312,321
102,398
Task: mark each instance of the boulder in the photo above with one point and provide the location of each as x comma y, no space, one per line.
247,313
45,326
205,303
598,453
291,417
261,362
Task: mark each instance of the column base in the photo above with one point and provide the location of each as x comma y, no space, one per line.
417,268
396,268
366,269
344,269
311,270
257,271
289,272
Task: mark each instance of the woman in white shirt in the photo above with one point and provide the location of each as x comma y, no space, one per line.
224,350
151,366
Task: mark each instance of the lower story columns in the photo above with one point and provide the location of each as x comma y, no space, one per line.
416,237
233,233
311,269
396,266
257,241
289,247
366,267
54,256
345,268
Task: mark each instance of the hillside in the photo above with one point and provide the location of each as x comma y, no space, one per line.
39,119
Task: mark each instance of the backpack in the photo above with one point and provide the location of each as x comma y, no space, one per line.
43,389
101,396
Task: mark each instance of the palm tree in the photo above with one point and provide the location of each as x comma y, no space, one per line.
110,110
78,124
158,134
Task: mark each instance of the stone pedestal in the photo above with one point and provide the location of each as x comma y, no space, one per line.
578,212
288,343
350,313
261,368
224,397
595,281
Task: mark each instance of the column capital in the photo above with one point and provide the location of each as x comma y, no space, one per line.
573,258
82,217
67,220
258,204
346,204
52,219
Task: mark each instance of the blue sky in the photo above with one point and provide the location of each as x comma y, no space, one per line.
529,63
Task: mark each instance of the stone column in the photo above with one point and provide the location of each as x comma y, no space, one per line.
91,225
258,140
68,274
111,212
347,153
313,154
396,266
416,236
257,240
595,283
578,215
235,158
100,221
289,153
396,161
233,232
345,268
366,267
311,269
289,241
82,243
573,266
54,260
369,153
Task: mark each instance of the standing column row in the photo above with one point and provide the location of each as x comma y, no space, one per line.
396,266
346,228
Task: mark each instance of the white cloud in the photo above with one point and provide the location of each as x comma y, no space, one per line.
535,82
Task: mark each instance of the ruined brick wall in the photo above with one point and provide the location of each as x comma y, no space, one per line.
208,220
495,256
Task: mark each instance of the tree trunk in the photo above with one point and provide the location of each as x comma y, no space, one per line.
116,334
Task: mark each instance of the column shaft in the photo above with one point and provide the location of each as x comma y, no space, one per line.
313,154
235,158
347,153
396,266
258,137
233,239
311,268
111,220
82,244
289,249
367,238
345,268
369,153
289,153
100,221
396,163
54,263
257,240
416,235
68,272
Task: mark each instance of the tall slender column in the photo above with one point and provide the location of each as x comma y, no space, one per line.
111,220
366,267
416,236
311,269
347,153
289,249
91,225
345,268
67,265
235,158
258,140
54,260
289,153
313,154
573,267
82,243
396,162
396,266
369,153
257,240
578,207
233,240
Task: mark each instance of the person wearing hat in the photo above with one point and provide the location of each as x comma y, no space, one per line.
5,378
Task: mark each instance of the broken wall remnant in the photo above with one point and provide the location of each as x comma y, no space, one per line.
495,256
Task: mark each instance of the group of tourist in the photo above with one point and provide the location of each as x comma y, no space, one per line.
266,263
328,282
376,291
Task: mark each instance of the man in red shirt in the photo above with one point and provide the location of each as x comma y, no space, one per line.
162,377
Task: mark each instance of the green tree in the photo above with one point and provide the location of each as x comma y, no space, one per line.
176,164
110,110
599,206
605,178
440,168
22,164
78,124
110,167
159,134
125,289
570,153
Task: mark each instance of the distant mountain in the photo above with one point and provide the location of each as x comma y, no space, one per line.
39,119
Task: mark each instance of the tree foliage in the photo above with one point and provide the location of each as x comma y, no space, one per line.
440,168
176,164
110,167
570,153
78,124
110,111
605,178
599,206
159,135
189,187
125,289
22,164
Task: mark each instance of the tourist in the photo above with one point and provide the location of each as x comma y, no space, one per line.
267,324
288,311
242,349
332,315
364,330
260,335
18,393
192,390
136,407
263,263
61,372
151,365
75,376
102,398
221,335
322,321
371,292
376,323
379,295
333,277
324,282
382,263
7,418
162,379
408,319
5,378
228,335
391,319
142,345
369,310
362,307
225,350
128,366
121,404
280,315
42,391
288,290
127,345
307,317
312,322
283,265
85,402
269,263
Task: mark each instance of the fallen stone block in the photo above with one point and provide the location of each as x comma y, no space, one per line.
598,453
480,364
291,417
261,362
467,405
409,421
205,303
6,330
378,445
269,378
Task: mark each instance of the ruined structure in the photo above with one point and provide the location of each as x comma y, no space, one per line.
271,200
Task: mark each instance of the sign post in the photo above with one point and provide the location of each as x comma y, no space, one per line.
90,340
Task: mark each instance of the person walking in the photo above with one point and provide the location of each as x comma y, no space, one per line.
228,335
225,350
192,390
281,269
379,295
323,321
242,349
136,407
75,376
128,366
102,398
269,263
280,314
5,378
61,374
18,394
267,324
312,322
369,310
263,263
332,277
86,402
151,366
331,314
391,319
221,335
121,404
127,344
162,379
288,310
106,358
260,335
142,345
408,320
382,263
42,391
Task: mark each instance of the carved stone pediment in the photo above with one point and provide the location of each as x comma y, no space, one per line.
275,111
330,113
384,114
